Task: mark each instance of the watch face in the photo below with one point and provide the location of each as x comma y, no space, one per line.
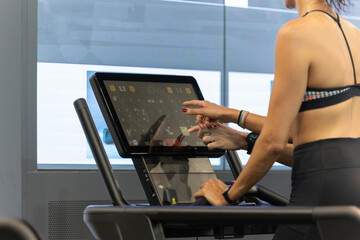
252,137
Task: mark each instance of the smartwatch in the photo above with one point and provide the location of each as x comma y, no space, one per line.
251,139
226,196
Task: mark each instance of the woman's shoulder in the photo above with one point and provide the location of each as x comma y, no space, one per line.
352,26
297,30
312,29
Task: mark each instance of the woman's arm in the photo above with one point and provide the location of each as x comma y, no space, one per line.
286,155
255,122
208,113
291,72
221,136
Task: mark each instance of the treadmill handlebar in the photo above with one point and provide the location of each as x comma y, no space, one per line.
337,212
98,151
271,197
201,201
234,162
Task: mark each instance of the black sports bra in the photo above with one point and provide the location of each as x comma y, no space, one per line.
318,98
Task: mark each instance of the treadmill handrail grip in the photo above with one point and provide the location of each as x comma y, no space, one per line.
98,151
338,212
270,196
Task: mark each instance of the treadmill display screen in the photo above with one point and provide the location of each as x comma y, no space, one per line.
144,113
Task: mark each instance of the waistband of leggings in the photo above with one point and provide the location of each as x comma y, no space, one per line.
329,141
327,154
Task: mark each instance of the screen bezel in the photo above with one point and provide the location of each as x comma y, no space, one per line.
97,82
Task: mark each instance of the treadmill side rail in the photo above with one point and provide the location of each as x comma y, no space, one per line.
342,222
334,222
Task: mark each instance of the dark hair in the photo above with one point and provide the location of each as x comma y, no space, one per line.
340,5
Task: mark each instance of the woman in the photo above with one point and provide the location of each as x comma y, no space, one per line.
315,101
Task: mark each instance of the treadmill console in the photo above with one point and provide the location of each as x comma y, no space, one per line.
144,113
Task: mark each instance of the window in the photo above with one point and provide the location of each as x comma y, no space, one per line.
76,38
228,46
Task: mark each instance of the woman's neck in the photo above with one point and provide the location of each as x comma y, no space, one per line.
304,6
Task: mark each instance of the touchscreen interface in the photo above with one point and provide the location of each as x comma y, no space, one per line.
144,113
150,113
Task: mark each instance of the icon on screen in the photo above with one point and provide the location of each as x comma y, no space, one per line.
112,88
132,88
122,88
169,89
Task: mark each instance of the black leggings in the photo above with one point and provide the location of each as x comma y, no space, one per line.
324,172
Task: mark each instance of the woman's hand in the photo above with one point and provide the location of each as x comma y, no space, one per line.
212,190
220,136
208,113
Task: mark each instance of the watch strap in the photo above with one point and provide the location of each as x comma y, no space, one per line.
226,196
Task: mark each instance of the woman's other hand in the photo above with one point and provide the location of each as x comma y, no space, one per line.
212,190
220,136
224,137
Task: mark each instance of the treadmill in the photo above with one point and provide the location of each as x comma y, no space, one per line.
169,162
